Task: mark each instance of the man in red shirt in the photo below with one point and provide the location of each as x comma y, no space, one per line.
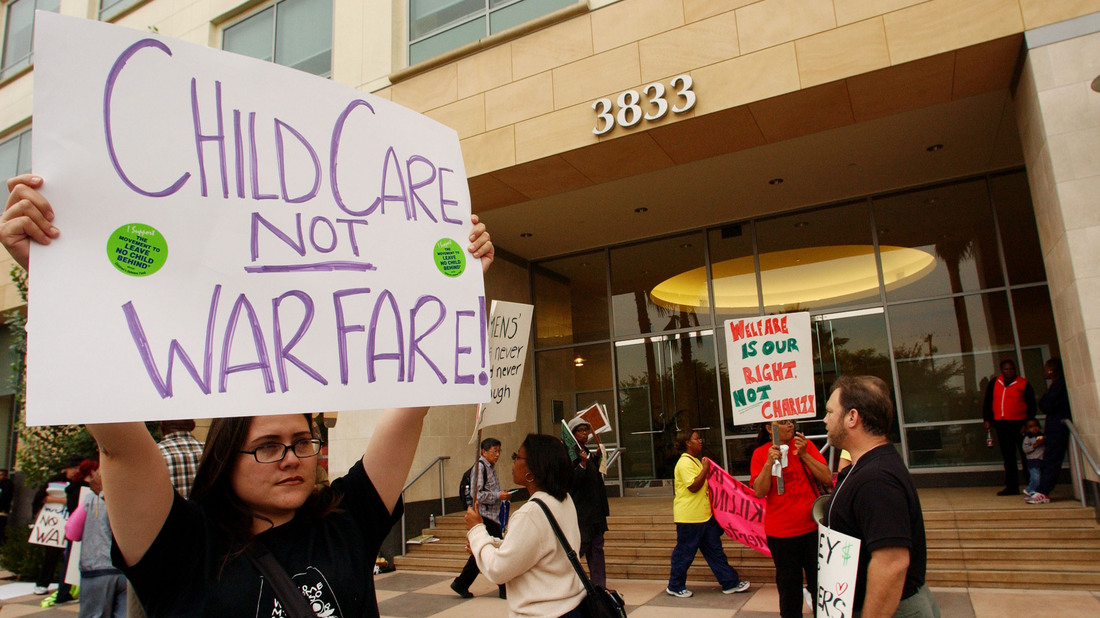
1009,402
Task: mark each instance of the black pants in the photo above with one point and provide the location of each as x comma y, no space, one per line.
1056,440
48,567
1011,442
470,571
794,556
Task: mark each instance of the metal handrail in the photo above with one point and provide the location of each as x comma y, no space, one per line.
1075,464
442,494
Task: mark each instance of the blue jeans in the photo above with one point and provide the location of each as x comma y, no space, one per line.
707,538
1034,467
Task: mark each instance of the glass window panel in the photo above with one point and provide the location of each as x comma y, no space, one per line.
15,157
961,444
734,272
1011,196
447,40
19,31
739,455
112,8
652,289
727,403
252,36
817,259
1038,336
303,35
951,223
426,16
563,380
666,384
946,351
523,12
571,300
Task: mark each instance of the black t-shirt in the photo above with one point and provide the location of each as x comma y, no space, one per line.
331,559
876,502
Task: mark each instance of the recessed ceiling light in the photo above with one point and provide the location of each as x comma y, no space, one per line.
932,201
1096,84
641,209
775,181
685,245
802,224
526,235
578,362
934,147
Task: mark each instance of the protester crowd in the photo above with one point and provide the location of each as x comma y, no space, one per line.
214,529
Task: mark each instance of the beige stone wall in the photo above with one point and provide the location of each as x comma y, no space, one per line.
1059,118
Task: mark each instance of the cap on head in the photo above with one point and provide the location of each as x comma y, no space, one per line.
574,423
73,461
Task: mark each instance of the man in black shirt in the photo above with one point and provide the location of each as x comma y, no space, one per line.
876,502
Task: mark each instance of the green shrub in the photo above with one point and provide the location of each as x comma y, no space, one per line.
20,557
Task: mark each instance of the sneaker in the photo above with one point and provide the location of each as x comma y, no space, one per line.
683,594
1028,494
741,587
465,594
40,590
1037,498
49,601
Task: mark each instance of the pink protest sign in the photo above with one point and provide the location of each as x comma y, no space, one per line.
737,509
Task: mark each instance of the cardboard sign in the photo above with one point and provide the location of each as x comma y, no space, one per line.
771,368
509,336
49,526
737,509
240,238
837,566
596,417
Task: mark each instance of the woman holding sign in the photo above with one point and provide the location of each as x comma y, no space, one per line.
788,522
255,509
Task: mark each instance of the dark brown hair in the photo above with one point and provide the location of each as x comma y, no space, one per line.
548,462
213,488
682,439
869,396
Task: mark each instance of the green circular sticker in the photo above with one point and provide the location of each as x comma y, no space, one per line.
137,249
450,259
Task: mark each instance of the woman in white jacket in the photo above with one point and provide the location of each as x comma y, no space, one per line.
530,561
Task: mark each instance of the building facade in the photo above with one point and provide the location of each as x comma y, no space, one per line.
917,174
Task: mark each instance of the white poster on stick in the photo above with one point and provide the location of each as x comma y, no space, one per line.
49,526
509,337
771,368
240,238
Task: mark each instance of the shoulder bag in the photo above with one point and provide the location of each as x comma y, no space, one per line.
600,602
290,597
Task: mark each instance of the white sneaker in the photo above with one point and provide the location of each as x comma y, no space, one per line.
683,594
40,590
741,587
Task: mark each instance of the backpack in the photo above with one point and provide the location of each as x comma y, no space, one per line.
464,484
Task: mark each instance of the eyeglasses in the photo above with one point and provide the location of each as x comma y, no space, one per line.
516,456
274,452
785,423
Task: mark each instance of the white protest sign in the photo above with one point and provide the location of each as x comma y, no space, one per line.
771,368
596,417
240,238
837,565
49,526
509,336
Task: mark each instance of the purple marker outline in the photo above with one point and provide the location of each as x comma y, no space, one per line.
164,385
334,151
414,341
462,378
312,268
262,363
398,356
218,137
305,197
282,352
342,329
107,92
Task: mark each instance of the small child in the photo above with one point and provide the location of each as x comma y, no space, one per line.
1033,449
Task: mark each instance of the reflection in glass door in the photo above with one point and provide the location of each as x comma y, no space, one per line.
847,342
666,383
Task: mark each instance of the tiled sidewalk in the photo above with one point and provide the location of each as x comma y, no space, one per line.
424,595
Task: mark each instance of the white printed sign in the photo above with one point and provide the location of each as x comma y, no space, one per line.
837,566
509,336
240,238
771,368
49,526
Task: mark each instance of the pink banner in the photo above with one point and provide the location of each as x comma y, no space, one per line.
737,509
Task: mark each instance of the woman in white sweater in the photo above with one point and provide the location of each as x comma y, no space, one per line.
530,561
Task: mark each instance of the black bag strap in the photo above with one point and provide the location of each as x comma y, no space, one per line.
820,489
569,553
290,597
